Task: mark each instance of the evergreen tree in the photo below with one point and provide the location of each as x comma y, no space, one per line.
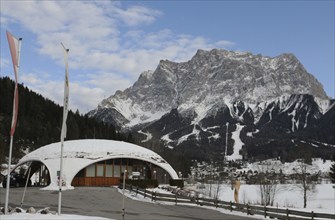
39,122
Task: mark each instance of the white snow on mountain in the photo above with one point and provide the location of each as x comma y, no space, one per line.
211,77
148,138
167,140
324,105
237,144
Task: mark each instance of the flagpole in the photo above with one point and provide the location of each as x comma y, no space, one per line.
63,131
8,174
60,179
25,186
14,118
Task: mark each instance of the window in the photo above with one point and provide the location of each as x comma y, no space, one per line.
90,171
109,170
116,170
100,170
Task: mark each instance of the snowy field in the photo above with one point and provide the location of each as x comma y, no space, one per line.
141,198
322,200
27,216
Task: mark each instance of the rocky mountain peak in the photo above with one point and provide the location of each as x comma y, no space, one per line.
210,77
267,106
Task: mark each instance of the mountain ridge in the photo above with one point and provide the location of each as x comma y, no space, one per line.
211,74
186,105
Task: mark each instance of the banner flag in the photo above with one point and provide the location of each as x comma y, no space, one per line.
66,94
14,46
63,132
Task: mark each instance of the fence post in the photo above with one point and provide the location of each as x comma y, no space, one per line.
312,215
152,196
248,209
145,193
216,203
264,211
287,213
136,190
176,198
197,200
231,206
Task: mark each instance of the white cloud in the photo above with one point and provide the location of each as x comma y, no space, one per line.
136,15
52,89
83,95
31,79
104,38
225,43
84,98
5,63
108,82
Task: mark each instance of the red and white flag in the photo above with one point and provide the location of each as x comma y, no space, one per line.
14,46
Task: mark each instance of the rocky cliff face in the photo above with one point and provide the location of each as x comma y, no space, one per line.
189,104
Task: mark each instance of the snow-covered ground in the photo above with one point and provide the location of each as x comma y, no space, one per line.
141,198
288,196
28,216
322,200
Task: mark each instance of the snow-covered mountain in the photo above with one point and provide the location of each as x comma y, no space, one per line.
188,104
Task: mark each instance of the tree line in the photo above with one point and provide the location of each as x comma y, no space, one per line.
40,121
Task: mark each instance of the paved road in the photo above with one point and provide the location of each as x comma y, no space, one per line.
107,202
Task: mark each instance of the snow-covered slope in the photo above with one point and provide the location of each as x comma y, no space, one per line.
188,104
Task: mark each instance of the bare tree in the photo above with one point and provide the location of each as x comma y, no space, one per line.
268,190
217,188
267,184
212,189
305,180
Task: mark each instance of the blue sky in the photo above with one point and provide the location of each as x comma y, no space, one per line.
111,43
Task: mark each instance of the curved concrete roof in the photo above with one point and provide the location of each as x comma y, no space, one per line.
78,154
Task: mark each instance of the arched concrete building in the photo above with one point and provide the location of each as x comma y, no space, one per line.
93,162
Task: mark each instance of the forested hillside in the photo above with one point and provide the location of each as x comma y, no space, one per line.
39,122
